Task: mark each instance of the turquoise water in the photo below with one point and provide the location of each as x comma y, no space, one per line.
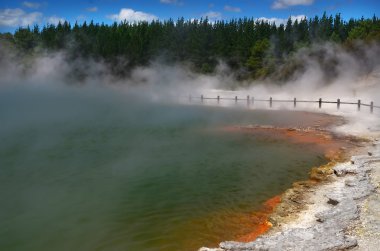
95,170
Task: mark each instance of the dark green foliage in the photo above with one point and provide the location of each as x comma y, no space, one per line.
256,62
366,30
25,39
254,47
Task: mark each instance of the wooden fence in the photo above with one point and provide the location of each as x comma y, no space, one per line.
251,101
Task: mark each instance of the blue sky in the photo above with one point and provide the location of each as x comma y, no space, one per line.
16,13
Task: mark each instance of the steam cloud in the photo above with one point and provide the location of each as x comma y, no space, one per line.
325,71
328,71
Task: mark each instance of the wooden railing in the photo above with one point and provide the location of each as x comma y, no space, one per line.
251,101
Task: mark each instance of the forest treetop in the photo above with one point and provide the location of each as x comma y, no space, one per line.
254,48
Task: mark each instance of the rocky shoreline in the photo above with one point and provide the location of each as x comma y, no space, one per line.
332,214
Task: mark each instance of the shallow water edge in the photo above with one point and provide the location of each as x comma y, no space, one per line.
295,202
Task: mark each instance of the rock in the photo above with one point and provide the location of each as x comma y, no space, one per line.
350,183
350,242
320,173
343,169
332,202
363,159
346,211
333,198
312,239
362,190
210,249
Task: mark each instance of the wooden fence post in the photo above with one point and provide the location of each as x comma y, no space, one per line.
202,98
295,102
248,100
371,107
235,99
359,103
320,103
338,103
270,102
218,98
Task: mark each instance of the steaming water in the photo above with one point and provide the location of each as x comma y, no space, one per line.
94,170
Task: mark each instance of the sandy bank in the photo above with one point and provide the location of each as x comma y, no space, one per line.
342,212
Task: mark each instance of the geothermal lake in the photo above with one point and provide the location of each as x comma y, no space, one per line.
95,170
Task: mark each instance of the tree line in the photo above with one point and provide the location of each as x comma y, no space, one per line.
253,47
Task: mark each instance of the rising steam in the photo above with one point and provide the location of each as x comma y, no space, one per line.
326,71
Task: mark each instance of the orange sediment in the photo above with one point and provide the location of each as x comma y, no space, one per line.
261,223
247,226
272,203
332,148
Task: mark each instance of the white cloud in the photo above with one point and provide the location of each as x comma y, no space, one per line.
231,8
18,17
31,5
174,2
92,9
283,4
212,15
279,21
54,20
132,16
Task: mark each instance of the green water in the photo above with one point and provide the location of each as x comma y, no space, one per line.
95,170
